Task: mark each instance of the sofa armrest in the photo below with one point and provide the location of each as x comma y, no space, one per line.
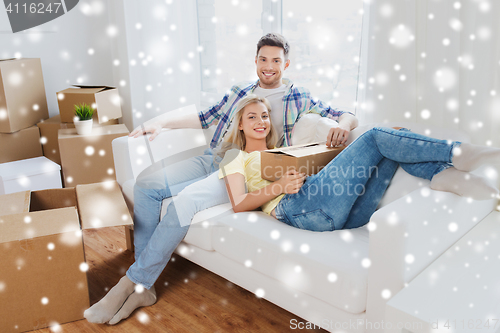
410,233
133,155
121,158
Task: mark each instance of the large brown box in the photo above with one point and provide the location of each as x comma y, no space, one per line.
23,102
43,278
20,145
88,158
48,132
105,100
308,158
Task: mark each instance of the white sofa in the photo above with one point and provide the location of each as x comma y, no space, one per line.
338,280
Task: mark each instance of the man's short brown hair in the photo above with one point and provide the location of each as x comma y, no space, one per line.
274,39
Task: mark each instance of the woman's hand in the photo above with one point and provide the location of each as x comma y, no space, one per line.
154,128
291,182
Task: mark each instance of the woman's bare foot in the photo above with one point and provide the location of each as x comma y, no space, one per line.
464,184
468,157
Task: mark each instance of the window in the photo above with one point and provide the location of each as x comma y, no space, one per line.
228,32
324,35
325,39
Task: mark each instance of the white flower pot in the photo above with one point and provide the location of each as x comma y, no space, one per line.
83,126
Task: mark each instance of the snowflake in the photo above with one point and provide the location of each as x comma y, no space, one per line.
386,294
332,277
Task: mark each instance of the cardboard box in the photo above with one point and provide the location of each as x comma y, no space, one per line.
20,145
22,94
88,158
307,158
105,100
48,132
43,277
37,173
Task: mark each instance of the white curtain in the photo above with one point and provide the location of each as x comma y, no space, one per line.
435,62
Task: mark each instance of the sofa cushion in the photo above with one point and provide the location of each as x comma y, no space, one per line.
304,130
325,265
199,233
200,230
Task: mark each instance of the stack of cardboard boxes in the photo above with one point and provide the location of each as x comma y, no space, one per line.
43,270
22,105
85,159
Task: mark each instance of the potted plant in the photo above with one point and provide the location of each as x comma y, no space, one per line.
83,118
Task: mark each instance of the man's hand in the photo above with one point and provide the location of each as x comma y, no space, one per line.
291,182
154,128
337,136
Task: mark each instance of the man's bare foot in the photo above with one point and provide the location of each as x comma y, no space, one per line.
136,300
106,308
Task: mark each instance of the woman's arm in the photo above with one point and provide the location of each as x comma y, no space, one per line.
241,201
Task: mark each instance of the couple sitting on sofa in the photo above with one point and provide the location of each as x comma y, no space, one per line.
311,203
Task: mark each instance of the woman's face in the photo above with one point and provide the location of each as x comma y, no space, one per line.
255,121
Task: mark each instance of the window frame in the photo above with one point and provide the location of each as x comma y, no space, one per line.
274,8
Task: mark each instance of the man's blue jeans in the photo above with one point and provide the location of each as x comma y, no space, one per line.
346,192
196,184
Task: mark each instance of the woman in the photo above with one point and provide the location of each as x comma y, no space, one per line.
346,192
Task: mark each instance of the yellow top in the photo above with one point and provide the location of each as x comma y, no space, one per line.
247,164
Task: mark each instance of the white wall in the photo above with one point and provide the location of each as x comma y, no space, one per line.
63,46
149,51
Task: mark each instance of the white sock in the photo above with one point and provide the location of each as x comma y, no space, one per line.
134,301
468,157
464,184
106,308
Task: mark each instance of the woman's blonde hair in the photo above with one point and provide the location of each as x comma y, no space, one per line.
236,136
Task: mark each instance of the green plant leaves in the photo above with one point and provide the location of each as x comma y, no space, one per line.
84,111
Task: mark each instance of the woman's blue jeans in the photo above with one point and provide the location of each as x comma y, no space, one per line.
346,192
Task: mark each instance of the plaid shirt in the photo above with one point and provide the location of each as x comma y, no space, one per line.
297,101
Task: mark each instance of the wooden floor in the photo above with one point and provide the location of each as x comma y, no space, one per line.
190,298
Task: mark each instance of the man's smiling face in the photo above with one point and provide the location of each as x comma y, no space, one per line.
271,64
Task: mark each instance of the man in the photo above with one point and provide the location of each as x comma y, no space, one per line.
195,181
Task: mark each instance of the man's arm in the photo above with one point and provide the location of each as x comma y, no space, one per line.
197,120
338,135
167,120
347,121
176,120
